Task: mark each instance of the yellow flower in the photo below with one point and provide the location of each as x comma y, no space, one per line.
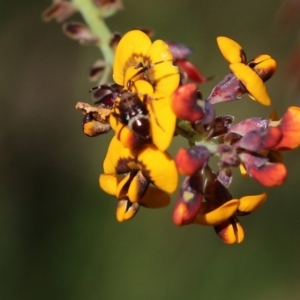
224,218
204,200
146,70
252,74
129,172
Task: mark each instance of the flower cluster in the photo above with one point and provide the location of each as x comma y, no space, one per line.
155,97
254,145
137,169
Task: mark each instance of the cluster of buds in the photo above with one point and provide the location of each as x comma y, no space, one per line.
154,98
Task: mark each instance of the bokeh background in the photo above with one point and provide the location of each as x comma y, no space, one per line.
58,235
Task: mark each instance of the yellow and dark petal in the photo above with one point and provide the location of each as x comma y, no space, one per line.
231,50
155,198
109,183
126,210
132,74
138,187
249,204
218,215
290,128
131,50
117,157
123,185
163,122
264,65
230,231
159,168
253,83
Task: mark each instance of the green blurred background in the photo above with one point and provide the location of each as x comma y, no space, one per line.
58,235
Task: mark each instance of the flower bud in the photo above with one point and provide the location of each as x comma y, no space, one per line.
185,103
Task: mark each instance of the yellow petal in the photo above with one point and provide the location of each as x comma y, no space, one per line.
243,171
130,51
143,88
155,198
219,215
163,122
163,74
253,83
115,152
166,78
231,50
109,183
126,210
251,203
161,167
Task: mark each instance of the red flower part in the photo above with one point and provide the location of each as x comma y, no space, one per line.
185,103
266,173
251,141
189,161
290,128
188,201
222,125
179,51
225,176
191,71
272,137
270,174
228,89
249,125
261,139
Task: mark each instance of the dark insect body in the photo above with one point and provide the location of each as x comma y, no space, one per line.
133,112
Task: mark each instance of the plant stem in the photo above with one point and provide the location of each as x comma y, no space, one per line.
95,22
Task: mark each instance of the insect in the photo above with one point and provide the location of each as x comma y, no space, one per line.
133,112
130,108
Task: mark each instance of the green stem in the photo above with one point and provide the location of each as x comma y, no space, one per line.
96,23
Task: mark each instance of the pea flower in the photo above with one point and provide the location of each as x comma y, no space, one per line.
151,101
129,172
146,69
246,77
204,200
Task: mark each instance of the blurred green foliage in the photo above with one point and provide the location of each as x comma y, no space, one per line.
58,235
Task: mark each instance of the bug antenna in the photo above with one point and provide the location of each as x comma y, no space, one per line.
98,87
146,68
